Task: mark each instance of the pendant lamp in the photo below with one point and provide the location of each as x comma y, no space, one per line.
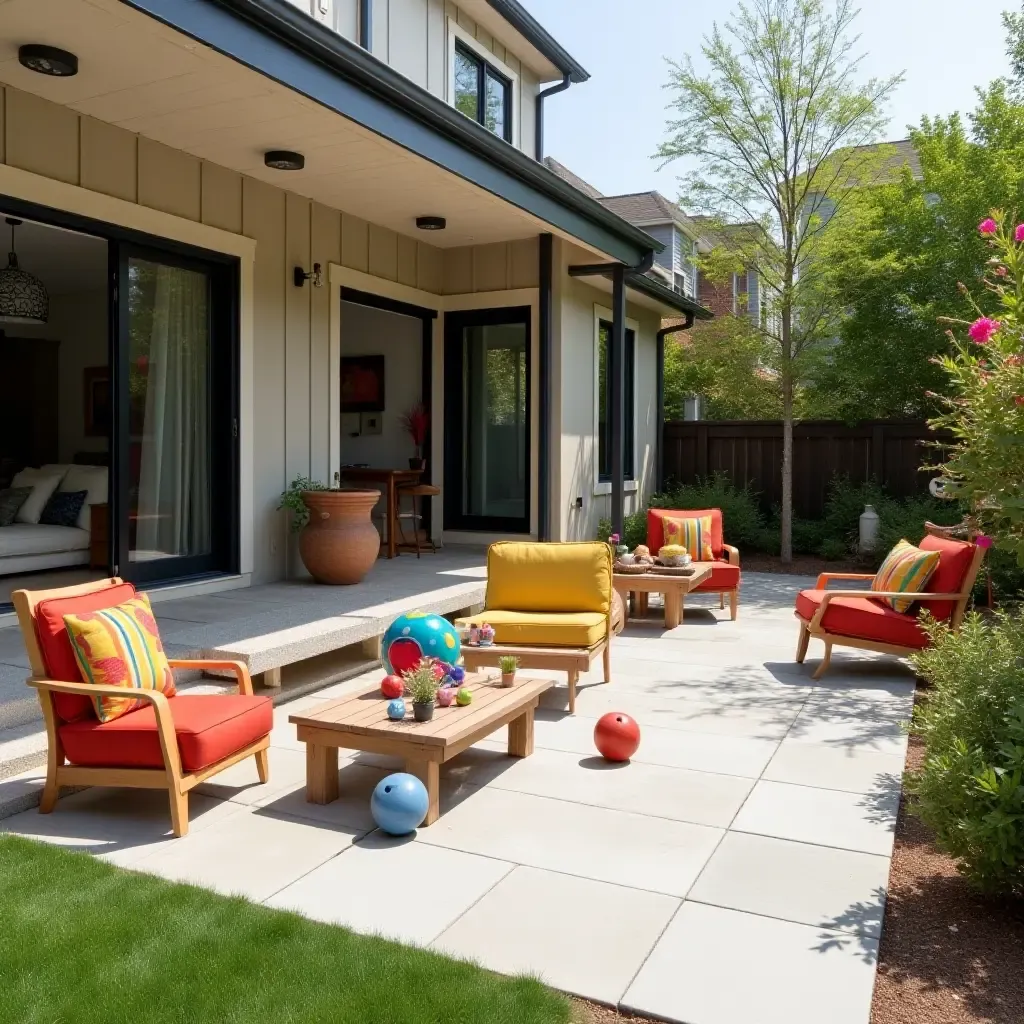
23,298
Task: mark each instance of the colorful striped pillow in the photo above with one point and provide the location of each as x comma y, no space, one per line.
906,568
120,646
692,533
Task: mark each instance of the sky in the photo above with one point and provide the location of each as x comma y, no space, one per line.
607,128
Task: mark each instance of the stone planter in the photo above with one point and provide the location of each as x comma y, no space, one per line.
423,712
339,544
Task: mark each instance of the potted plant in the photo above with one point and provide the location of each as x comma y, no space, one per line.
415,423
422,686
338,542
508,664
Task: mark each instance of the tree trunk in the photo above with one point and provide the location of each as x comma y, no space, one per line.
786,540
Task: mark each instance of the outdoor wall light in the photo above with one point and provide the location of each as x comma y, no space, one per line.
284,160
431,223
48,60
316,276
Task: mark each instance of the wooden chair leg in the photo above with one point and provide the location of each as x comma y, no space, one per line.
51,791
54,757
826,661
721,600
263,765
734,600
606,660
179,813
801,644
574,676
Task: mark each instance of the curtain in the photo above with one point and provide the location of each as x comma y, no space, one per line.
170,364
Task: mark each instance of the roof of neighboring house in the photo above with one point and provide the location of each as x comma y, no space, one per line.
528,26
573,179
646,209
903,152
877,163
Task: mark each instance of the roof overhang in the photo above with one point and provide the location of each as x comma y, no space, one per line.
534,33
282,43
667,296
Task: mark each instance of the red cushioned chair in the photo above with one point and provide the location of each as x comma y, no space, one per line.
725,570
172,743
857,618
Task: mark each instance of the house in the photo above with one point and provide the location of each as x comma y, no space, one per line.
251,234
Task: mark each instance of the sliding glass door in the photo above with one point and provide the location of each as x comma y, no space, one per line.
487,420
176,416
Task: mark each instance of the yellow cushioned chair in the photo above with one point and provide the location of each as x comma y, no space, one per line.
552,605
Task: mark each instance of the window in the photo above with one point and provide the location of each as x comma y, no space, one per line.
481,92
604,397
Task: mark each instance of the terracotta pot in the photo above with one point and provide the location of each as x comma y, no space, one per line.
340,542
508,679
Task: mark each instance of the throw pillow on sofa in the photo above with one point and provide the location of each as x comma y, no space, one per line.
120,646
906,568
91,479
43,483
63,509
11,499
692,533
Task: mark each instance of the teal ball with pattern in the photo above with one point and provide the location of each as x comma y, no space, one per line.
418,635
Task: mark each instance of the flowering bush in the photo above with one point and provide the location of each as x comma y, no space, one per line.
985,413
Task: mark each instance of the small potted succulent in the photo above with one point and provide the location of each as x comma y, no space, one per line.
508,664
421,683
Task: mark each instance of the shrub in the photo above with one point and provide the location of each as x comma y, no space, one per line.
906,519
833,549
808,535
741,515
970,788
634,529
845,504
767,540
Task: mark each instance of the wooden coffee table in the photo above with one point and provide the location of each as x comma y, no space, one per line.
360,722
673,588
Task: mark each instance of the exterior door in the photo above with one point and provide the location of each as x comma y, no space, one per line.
487,404
175,416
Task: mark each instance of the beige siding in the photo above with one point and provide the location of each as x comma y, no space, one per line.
491,268
169,180
109,160
42,137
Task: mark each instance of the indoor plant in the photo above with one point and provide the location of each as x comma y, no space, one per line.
421,682
508,664
415,423
338,542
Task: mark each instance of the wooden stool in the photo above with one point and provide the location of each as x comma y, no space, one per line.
414,492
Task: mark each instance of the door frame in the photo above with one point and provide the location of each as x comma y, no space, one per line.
454,323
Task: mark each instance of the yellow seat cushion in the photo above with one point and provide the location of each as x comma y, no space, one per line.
536,577
544,629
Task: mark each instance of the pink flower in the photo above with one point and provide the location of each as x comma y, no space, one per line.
988,226
1001,271
1018,233
982,329
983,541
1018,399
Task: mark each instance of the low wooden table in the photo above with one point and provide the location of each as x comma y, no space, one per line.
390,480
673,588
360,722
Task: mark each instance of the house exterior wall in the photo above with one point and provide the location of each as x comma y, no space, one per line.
664,233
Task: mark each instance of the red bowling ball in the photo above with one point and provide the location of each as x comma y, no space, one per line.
392,687
616,736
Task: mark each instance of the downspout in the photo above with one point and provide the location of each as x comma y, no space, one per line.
659,416
546,318
539,127
616,412
366,25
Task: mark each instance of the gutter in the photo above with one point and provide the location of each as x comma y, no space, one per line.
351,67
535,33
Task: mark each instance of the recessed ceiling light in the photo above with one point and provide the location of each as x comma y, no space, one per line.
48,60
284,160
431,223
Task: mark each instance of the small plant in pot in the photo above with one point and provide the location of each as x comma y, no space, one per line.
508,664
415,423
421,683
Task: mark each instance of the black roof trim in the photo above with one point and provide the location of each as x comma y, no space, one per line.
657,290
415,119
532,30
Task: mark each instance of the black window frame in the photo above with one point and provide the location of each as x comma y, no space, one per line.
487,70
604,338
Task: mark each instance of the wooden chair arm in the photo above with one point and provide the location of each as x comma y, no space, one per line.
824,578
830,594
161,709
733,553
240,669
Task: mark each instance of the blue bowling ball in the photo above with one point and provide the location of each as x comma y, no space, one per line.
399,804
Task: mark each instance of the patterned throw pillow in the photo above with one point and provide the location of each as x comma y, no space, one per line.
11,499
120,646
692,533
908,569
63,508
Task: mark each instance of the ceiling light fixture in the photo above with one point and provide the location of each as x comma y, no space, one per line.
23,298
431,223
284,160
48,60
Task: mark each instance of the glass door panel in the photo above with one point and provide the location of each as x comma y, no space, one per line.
487,414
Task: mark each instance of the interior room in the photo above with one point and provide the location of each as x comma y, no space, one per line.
55,407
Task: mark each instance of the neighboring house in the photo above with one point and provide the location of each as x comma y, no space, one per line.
264,230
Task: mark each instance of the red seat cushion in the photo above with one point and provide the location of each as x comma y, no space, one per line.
723,577
55,645
955,557
656,528
208,728
863,618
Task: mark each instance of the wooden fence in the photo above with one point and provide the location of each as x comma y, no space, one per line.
891,452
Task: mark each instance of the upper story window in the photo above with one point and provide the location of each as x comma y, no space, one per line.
482,92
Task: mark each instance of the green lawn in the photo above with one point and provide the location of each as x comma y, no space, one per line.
82,942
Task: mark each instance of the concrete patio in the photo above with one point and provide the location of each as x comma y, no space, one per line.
734,871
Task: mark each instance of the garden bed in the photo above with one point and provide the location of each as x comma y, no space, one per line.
948,955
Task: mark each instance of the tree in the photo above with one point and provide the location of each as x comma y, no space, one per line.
893,258
774,128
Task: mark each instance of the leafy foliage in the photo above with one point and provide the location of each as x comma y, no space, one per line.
421,683
970,788
291,499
